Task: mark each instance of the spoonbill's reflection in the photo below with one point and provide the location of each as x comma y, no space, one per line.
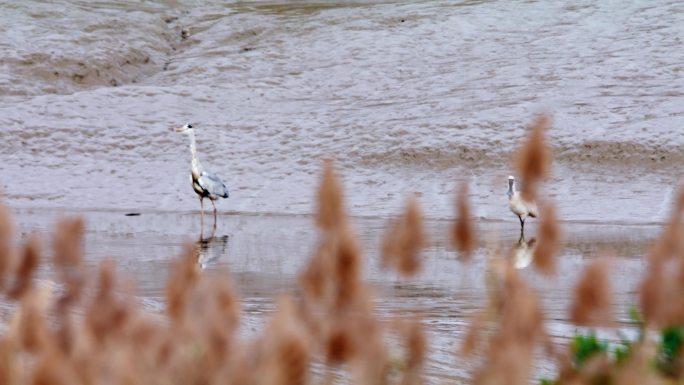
210,249
522,251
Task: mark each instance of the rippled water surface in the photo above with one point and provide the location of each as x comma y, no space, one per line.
407,97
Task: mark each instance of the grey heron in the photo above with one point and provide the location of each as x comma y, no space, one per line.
205,184
520,207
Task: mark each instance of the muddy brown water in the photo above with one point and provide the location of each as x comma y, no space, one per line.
407,97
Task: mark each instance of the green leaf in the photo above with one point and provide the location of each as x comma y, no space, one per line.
583,347
671,340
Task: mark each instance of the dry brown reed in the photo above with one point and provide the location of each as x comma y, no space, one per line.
533,160
347,271
183,279
592,301
338,307
6,252
314,279
28,263
107,314
548,235
331,209
405,240
638,370
660,296
463,236
30,323
286,347
417,344
333,276
520,328
68,257
470,341
414,340
9,365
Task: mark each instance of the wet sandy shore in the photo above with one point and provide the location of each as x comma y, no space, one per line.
265,254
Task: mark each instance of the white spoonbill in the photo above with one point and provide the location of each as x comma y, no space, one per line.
518,205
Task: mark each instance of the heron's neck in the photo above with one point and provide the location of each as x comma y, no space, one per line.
511,189
195,164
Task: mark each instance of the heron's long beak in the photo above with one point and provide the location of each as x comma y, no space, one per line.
179,129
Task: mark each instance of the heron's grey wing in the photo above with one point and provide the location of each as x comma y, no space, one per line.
213,185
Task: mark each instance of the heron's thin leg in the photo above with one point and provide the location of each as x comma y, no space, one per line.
214,204
522,223
202,208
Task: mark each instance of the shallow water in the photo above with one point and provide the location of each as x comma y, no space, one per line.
265,255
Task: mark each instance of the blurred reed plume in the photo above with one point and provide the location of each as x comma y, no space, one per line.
6,252
68,258
286,347
472,336
638,369
412,334
660,293
338,304
463,236
29,326
331,209
28,263
417,346
405,240
107,313
520,327
533,160
592,303
182,281
544,256
334,273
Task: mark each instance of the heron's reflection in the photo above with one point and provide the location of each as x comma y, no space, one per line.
522,251
211,248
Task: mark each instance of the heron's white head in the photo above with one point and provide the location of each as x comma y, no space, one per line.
187,128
